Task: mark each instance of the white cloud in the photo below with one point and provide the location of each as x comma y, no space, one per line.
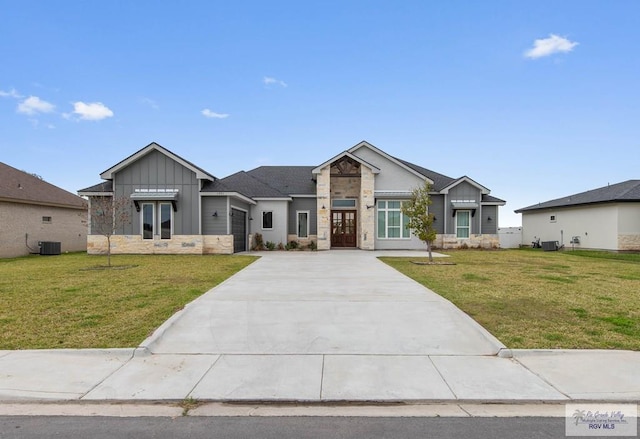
90,111
13,93
213,115
33,105
549,46
267,80
150,102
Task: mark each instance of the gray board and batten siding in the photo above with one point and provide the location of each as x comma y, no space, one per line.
156,171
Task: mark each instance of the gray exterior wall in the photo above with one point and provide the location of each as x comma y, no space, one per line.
280,220
303,204
437,208
214,225
392,177
238,204
157,171
489,227
463,191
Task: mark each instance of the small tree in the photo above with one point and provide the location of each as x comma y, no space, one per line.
107,215
420,220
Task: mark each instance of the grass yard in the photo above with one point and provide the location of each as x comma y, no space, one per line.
65,302
534,299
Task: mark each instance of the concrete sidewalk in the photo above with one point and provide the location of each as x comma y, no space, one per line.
344,327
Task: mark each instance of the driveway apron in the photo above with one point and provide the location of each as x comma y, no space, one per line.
332,302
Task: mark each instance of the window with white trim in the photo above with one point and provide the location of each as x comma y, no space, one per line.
463,223
267,220
303,223
147,218
156,217
392,223
166,217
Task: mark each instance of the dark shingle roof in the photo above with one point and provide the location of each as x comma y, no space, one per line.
490,199
105,186
289,180
21,187
244,184
440,181
626,191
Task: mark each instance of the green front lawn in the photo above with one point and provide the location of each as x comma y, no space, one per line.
534,299
66,302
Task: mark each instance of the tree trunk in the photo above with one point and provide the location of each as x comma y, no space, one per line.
429,250
108,251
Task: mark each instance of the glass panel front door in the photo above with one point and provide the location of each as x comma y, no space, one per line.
343,228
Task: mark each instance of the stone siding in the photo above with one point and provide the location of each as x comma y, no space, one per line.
629,242
367,221
178,244
448,241
323,190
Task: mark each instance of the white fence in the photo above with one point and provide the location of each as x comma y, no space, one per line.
510,237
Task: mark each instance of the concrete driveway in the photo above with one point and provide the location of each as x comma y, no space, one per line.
320,327
334,302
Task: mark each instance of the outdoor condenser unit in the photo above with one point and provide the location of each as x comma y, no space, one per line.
49,248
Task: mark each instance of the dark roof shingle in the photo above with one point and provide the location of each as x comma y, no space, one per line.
626,191
21,187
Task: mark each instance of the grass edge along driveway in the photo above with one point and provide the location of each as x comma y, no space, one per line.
67,301
530,299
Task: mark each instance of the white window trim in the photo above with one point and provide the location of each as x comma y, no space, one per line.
153,220
170,219
298,212
262,219
386,228
465,227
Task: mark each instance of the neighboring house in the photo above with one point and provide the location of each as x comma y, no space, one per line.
33,211
351,200
606,218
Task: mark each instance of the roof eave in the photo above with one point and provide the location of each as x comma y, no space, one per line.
153,146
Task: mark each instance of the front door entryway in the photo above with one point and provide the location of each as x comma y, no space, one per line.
343,228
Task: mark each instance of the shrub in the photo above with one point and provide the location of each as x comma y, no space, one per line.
313,246
280,246
292,245
270,245
258,243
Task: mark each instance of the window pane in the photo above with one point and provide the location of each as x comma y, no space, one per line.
394,218
382,204
462,224
394,232
302,224
382,225
343,203
394,204
165,221
147,221
406,233
267,220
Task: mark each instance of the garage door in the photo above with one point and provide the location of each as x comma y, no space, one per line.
239,230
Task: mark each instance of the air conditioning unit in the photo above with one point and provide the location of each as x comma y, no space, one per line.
49,248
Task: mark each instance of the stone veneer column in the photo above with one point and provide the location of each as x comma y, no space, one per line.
367,216
323,196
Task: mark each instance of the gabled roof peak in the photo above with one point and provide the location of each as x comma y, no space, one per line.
154,146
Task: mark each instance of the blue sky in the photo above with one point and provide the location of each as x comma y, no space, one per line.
535,100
